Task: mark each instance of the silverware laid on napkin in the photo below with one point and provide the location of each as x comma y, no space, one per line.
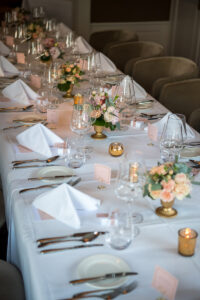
48,160
103,277
70,248
15,109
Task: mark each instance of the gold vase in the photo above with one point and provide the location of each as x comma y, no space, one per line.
166,210
68,93
98,135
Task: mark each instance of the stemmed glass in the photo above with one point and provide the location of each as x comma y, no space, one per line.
172,137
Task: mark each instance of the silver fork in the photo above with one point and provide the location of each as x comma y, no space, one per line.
125,289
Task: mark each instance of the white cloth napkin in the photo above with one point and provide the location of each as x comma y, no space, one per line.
4,50
160,125
140,93
39,139
58,204
82,45
62,28
6,68
106,64
19,92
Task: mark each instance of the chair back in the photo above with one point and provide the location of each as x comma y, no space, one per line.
194,119
100,39
153,73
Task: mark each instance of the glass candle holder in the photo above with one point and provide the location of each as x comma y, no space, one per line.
187,241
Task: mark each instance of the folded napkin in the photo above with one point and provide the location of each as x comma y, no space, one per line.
140,93
62,28
61,203
6,68
19,92
82,46
39,139
4,50
160,125
106,64
58,204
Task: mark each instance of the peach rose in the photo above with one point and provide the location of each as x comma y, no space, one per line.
155,194
181,190
160,170
181,178
68,70
166,196
168,185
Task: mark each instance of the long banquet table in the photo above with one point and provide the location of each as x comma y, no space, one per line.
47,276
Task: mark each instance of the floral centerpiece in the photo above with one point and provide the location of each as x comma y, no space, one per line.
20,15
34,31
69,74
105,113
52,50
167,182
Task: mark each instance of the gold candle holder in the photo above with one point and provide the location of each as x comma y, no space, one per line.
187,241
116,149
78,99
133,172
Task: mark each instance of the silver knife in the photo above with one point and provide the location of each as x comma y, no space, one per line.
70,248
103,277
32,166
73,183
51,177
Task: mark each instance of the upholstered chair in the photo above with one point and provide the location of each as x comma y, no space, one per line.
124,55
11,283
194,119
2,212
181,96
100,40
154,73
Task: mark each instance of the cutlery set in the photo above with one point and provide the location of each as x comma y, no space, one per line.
196,164
152,116
16,109
48,160
109,293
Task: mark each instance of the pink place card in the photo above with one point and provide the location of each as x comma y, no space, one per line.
9,40
20,58
36,81
152,132
165,283
57,116
102,173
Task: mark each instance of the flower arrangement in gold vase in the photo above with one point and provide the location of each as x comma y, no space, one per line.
35,31
105,112
168,182
52,50
69,75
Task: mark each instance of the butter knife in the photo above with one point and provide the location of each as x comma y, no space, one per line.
51,177
70,248
103,277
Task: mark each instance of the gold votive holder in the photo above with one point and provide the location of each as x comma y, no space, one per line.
116,149
133,172
187,241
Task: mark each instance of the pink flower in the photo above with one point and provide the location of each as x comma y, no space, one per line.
48,42
181,178
68,70
168,185
166,196
155,194
160,170
182,190
55,52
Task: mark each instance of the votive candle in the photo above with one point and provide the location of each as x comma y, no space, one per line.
187,241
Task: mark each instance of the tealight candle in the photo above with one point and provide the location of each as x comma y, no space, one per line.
187,241
116,149
78,99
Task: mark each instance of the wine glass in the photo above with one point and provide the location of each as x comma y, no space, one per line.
171,141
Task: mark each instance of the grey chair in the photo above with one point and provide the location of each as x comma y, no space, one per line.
2,211
154,73
181,96
100,40
11,283
194,119
124,55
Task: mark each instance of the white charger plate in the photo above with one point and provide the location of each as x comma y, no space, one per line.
190,152
102,264
55,171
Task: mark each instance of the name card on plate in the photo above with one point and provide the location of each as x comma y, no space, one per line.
9,40
152,132
102,173
20,58
165,283
36,81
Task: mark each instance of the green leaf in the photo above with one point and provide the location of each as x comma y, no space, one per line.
195,182
156,186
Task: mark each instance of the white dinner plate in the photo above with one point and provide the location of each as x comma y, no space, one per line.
55,171
101,264
190,152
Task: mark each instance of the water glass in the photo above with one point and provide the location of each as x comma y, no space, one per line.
75,158
120,230
171,141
